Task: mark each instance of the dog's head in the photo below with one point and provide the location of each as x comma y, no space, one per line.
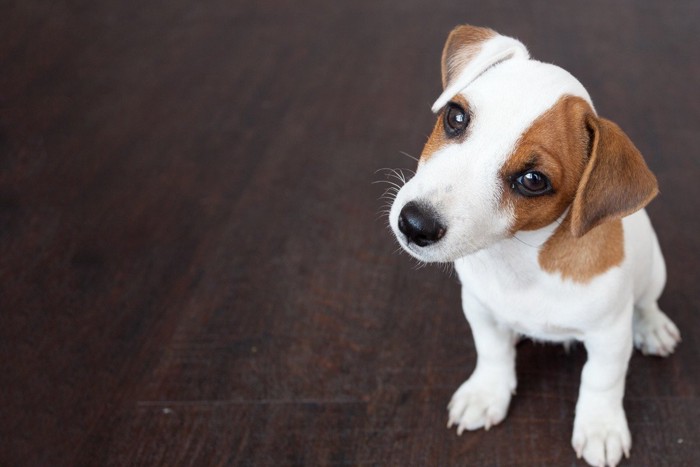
517,143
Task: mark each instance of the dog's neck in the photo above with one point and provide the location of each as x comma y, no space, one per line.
522,257
514,260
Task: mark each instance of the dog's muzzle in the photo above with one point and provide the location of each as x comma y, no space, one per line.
420,224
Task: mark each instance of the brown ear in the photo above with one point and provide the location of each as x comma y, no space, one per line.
462,45
469,52
616,181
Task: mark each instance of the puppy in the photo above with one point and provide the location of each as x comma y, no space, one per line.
538,201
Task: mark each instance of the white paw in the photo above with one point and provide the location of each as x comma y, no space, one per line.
655,333
480,402
602,440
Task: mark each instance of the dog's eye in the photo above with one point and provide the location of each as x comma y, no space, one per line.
532,184
456,119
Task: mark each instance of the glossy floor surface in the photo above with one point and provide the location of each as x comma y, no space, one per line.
194,269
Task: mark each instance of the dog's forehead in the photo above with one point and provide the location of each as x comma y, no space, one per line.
509,97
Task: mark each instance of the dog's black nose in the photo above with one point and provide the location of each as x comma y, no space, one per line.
420,224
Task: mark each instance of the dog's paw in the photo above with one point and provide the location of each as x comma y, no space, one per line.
602,440
655,333
480,402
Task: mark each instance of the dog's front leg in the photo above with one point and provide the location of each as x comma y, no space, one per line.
601,434
482,400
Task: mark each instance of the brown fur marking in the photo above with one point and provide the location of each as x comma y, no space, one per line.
582,258
595,169
556,144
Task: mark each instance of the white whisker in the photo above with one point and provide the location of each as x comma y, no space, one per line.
408,155
525,243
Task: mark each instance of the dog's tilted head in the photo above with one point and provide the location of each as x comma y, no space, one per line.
517,143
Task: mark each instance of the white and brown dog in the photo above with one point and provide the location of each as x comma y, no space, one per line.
538,202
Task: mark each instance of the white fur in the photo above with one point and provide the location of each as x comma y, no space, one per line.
505,292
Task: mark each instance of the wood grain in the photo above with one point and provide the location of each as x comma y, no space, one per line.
193,270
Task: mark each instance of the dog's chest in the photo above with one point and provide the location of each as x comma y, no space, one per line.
531,301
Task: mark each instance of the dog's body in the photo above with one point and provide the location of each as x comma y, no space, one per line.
538,201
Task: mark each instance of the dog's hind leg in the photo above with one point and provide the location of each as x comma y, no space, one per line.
654,332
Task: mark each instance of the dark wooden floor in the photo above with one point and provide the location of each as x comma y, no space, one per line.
192,266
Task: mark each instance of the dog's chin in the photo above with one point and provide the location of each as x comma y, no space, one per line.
435,253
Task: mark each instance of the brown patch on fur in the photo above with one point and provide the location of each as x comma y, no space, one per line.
595,169
582,258
438,139
556,144
463,43
617,181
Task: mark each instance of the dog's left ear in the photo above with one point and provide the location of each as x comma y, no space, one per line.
468,52
616,181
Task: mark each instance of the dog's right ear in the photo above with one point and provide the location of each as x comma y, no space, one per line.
616,181
468,52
